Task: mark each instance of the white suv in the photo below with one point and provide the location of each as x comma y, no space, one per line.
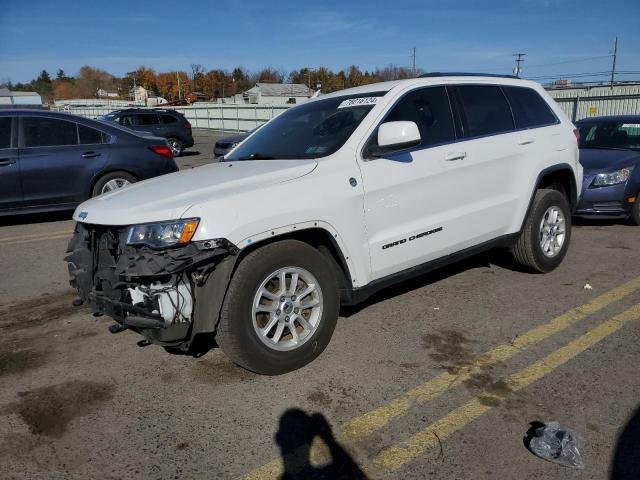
327,203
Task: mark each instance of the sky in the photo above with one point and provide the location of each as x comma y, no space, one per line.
559,37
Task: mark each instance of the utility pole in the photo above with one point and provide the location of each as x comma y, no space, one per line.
179,93
613,66
519,59
413,63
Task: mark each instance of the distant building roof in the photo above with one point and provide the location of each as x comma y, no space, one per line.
5,92
25,94
281,90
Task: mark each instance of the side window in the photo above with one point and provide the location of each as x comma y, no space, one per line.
529,108
429,109
48,132
126,120
90,136
5,132
483,110
147,119
168,119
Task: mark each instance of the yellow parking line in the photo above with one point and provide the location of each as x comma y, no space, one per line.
375,419
395,457
29,240
381,416
37,236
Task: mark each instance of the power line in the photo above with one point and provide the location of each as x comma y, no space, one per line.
585,59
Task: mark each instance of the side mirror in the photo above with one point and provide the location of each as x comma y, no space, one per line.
394,136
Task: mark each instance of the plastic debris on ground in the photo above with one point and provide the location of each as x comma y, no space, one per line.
558,444
587,286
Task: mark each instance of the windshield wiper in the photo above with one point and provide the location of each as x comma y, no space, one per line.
257,156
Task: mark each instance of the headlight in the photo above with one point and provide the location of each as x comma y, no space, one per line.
613,178
162,235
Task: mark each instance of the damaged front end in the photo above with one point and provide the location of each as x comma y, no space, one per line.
169,295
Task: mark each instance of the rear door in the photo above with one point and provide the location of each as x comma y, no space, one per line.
495,162
148,122
58,159
10,187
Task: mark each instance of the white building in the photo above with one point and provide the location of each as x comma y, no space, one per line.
8,97
277,93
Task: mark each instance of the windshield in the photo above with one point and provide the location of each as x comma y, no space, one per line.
610,135
311,130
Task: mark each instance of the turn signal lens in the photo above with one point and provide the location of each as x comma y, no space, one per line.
188,231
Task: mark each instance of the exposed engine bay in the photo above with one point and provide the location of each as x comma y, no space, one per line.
153,292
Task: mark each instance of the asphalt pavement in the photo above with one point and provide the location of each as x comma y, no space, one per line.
440,377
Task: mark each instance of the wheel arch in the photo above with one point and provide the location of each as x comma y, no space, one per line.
319,235
101,174
559,177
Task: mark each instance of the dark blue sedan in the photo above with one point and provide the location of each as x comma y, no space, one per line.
54,161
610,155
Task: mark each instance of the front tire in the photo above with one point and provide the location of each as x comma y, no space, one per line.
544,240
280,309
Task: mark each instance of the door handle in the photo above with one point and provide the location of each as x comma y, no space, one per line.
90,154
455,156
6,163
526,141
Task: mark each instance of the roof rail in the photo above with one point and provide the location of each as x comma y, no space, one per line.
464,74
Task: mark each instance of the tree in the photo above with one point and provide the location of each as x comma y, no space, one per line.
197,77
241,79
60,75
270,75
90,79
63,89
169,87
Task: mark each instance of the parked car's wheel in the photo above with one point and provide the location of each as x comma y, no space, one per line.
544,240
176,146
112,181
635,213
280,309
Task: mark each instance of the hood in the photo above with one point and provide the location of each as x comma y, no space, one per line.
233,138
168,197
596,160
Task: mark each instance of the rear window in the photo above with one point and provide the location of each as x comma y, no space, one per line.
5,132
147,119
48,132
168,119
529,108
90,136
483,109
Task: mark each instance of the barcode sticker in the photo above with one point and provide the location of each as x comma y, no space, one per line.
358,102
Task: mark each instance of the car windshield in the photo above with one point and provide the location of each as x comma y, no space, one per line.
610,135
311,130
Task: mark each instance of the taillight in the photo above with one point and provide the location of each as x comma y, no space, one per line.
576,132
187,125
162,150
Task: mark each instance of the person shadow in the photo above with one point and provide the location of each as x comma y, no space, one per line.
625,464
296,432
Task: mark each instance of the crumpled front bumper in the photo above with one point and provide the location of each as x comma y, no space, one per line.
103,269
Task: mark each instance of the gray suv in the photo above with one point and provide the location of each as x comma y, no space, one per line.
165,123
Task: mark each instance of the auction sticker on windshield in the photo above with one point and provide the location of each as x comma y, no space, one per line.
358,102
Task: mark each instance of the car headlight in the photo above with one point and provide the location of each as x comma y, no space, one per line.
613,178
164,234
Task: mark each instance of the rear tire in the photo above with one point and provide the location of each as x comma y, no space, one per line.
634,217
254,302
544,239
176,146
112,181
